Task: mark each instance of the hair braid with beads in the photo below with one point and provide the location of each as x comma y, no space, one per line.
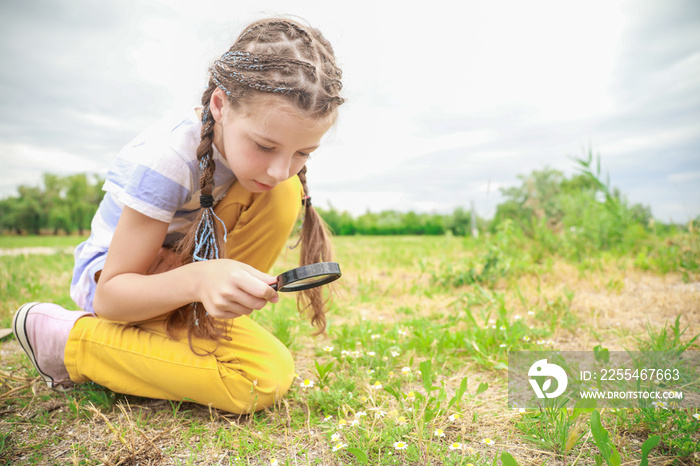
292,62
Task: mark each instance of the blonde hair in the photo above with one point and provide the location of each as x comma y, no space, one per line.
286,60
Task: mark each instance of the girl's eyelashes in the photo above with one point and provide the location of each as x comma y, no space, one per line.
264,148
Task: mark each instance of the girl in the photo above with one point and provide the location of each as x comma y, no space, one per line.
235,170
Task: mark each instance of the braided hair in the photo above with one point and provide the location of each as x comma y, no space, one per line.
295,63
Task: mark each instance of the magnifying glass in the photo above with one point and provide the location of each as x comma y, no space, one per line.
307,276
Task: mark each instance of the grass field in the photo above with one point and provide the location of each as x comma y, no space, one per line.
413,369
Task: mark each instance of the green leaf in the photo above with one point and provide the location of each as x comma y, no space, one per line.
584,405
426,369
359,455
601,354
602,440
442,394
483,386
460,392
647,446
429,414
615,458
501,366
507,459
393,393
600,435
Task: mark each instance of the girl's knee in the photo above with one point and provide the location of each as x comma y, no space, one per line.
262,382
274,380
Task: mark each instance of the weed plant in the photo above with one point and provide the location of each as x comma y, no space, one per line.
582,220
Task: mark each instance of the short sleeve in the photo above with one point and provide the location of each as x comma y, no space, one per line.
151,179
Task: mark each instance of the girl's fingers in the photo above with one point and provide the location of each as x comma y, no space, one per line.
228,310
262,276
235,289
259,285
246,301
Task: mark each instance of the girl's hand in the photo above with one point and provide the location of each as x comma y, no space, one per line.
229,289
141,280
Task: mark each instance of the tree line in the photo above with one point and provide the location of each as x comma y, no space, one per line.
62,204
392,222
66,205
545,202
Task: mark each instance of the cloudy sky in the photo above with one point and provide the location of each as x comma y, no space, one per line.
446,101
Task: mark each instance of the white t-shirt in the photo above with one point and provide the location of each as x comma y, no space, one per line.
156,174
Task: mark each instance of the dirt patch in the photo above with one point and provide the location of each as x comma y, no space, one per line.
613,304
644,301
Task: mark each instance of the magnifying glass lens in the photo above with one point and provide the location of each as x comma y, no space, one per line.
306,283
308,276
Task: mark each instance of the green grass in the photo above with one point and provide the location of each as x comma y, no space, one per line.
46,241
34,278
414,356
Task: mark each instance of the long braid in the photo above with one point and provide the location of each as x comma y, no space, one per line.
315,247
295,63
205,241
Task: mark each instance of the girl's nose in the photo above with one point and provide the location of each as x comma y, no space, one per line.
279,169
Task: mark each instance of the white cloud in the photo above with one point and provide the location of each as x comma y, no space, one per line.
46,160
682,177
458,92
653,140
24,165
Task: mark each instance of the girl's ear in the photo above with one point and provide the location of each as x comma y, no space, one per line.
217,103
